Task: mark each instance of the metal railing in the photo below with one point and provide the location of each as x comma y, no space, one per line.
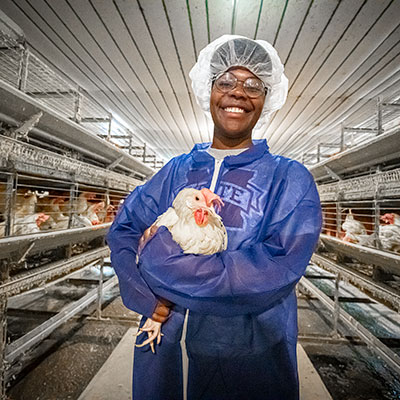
385,119
20,68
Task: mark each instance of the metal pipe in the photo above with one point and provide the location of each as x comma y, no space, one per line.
380,128
77,106
336,311
52,138
390,105
27,280
109,127
4,276
388,356
23,68
360,130
338,215
26,342
377,224
100,289
9,205
341,137
362,281
390,262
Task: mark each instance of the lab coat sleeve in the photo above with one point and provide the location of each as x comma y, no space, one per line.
248,280
138,212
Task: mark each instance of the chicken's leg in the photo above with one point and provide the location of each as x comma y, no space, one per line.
153,330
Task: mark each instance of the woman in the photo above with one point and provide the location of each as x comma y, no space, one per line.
241,321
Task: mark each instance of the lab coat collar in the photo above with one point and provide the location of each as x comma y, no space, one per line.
259,148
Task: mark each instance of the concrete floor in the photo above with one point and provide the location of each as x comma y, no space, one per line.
113,381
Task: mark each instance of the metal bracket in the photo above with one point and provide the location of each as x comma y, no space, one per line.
22,131
25,252
115,162
332,174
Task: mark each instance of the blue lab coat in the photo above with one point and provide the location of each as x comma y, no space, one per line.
242,325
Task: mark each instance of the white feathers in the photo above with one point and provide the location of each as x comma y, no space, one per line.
193,222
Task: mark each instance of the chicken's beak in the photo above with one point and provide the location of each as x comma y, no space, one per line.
212,199
201,217
388,218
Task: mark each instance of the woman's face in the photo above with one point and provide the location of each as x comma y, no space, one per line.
234,113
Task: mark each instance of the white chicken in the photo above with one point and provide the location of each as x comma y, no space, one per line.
83,202
355,231
29,223
389,235
91,212
197,228
51,206
26,203
193,222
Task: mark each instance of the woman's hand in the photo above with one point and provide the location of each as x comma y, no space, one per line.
147,235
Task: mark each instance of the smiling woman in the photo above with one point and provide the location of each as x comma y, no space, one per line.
238,305
234,112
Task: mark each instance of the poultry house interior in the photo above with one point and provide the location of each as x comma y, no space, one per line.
95,99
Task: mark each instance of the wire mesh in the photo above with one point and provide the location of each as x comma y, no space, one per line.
40,205
10,59
25,71
368,223
353,134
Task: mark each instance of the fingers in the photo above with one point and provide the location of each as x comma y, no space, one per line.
147,235
149,232
153,230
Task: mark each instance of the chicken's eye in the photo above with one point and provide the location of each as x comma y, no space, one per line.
197,198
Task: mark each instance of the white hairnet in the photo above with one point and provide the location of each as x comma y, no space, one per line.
258,56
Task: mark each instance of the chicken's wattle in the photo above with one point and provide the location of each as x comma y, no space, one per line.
201,217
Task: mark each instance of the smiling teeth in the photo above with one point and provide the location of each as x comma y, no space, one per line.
234,109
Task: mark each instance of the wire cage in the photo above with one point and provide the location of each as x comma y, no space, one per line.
23,70
371,223
377,116
30,205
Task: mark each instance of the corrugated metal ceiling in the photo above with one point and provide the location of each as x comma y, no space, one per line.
134,56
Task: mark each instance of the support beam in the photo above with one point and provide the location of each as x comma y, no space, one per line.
26,342
382,351
332,174
26,280
23,68
390,262
360,130
115,163
396,105
365,283
53,94
4,276
95,120
22,130
78,106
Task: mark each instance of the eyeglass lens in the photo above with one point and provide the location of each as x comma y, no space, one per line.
253,87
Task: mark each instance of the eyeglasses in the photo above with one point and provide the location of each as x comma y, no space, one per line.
253,87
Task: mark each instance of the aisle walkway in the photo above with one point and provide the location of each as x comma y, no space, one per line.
113,381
